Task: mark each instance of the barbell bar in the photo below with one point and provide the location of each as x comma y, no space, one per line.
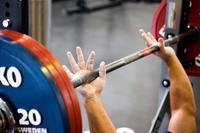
88,77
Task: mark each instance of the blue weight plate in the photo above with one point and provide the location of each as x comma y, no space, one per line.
60,77
33,95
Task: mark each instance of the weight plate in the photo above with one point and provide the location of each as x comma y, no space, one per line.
158,22
191,54
29,97
65,87
67,91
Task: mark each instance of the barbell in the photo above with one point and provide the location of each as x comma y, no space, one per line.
35,91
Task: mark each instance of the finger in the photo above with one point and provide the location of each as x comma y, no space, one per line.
90,61
161,43
69,73
102,70
151,37
72,62
145,37
81,61
141,31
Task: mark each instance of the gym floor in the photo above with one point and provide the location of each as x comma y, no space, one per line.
131,93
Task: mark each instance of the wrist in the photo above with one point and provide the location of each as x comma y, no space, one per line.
89,92
91,99
169,59
168,55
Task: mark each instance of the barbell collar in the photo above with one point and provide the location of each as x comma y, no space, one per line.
7,121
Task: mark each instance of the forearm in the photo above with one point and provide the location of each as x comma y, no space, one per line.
99,121
181,93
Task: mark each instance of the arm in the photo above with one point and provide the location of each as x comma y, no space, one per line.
181,95
181,99
99,121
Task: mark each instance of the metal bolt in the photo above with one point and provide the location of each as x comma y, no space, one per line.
169,36
185,50
6,23
166,83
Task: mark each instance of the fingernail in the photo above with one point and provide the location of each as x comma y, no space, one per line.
103,63
141,30
92,52
143,34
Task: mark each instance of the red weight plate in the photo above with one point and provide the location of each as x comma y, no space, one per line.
63,82
51,65
77,123
158,22
193,49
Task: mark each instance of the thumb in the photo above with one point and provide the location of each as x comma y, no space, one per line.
102,70
69,73
161,44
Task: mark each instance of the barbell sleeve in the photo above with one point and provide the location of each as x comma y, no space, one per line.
88,77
